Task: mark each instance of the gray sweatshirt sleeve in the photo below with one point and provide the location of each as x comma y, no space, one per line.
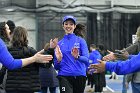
133,49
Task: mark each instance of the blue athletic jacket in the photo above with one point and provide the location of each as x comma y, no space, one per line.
69,66
94,55
6,58
125,67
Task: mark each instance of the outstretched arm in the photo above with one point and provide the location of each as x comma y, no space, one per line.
9,62
119,67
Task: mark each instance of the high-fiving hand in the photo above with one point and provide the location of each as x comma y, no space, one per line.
75,52
117,55
99,68
40,58
53,43
58,53
109,57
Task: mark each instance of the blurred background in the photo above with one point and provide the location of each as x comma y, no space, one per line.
108,22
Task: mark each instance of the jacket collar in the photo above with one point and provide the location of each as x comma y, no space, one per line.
69,36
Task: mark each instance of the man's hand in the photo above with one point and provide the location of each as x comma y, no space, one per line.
121,54
99,68
109,57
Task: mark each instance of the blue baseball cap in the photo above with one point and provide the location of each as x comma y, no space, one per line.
70,17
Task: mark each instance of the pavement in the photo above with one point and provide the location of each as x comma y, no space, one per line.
112,86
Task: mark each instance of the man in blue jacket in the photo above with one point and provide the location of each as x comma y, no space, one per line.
96,78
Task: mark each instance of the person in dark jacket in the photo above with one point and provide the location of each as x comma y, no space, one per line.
71,59
48,77
27,78
9,62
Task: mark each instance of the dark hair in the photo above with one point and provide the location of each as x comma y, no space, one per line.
19,37
11,25
93,45
47,46
3,33
129,44
101,47
80,30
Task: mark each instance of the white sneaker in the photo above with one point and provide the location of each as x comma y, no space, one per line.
91,90
104,89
